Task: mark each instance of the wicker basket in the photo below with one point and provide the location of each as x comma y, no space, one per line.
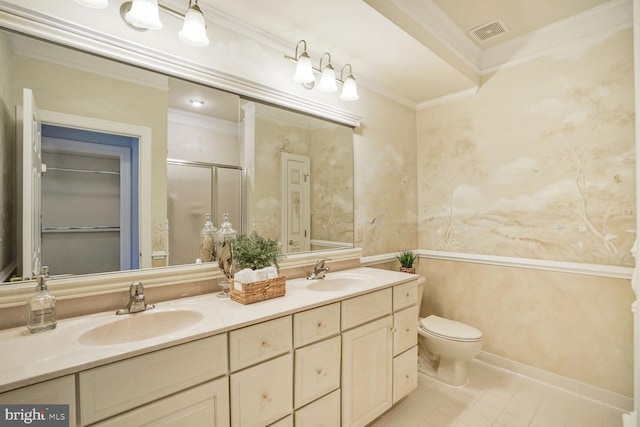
259,291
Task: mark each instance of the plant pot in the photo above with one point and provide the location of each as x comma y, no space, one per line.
411,270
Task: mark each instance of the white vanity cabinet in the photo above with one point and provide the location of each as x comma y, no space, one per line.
367,357
116,388
59,391
343,363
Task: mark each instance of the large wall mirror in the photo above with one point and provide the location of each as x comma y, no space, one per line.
133,167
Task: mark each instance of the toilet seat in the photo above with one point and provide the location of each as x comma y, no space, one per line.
450,329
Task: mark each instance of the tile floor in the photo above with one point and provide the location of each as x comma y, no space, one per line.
495,397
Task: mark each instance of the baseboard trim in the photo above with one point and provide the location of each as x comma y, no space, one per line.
587,391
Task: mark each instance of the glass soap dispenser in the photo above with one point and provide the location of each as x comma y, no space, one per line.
41,307
208,240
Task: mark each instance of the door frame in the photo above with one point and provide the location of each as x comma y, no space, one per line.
144,166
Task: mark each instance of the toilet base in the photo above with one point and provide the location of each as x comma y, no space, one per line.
451,372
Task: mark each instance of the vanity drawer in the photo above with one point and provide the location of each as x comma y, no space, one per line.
323,412
313,325
359,310
253,344
112,389
405,329
405,373
405,295
262,394
317,370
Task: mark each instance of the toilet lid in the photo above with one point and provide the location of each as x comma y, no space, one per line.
450,329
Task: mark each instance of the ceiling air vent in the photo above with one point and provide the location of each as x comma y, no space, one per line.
488,30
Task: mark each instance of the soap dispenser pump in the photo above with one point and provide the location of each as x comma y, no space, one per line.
41,308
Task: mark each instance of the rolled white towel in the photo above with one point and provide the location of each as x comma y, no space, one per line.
271,272
246,275
261,274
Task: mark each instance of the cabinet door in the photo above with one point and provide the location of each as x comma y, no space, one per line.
367,357
405,329
108,390
262,394
405,373
323,412
317,371
60,391
206,405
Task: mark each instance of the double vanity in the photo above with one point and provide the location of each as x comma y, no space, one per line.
334,351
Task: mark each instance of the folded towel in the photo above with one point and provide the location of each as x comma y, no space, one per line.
246,275
271,272
261,275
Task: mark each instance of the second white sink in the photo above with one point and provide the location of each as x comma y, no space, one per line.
334,282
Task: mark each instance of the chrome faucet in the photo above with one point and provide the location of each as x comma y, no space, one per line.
136,300
319,270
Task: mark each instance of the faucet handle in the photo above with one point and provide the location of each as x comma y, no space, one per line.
136,289
321,261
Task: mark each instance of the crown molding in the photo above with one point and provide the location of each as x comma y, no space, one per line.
593,24
428,15
448,98
31,22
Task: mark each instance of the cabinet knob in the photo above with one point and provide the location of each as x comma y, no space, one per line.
320,325
321,373
265,345
266,399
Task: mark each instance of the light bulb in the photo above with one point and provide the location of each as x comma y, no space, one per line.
328,80
304,69
194,30
144,14
349,89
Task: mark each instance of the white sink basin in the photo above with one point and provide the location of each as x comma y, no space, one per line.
334,282
140,326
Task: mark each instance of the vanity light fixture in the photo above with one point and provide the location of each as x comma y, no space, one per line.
142,15
306,74
94,4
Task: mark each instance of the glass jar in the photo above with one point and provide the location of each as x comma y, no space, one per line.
224,238
208,240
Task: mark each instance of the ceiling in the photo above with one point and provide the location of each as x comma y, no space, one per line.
410,50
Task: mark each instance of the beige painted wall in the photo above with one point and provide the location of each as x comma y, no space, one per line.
72,91
539,164
8,159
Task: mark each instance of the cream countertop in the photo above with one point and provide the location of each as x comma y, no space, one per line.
29,358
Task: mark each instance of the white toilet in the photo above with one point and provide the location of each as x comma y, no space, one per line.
445,346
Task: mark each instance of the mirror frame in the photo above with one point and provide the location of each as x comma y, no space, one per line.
30,23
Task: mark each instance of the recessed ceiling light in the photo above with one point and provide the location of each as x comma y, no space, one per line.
196,102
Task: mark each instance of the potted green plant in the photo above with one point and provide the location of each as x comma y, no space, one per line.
407,259
261,254
255,252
